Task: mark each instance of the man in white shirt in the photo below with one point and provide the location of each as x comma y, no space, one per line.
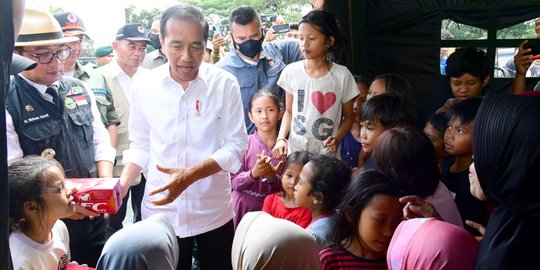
188,131
50,113
130,50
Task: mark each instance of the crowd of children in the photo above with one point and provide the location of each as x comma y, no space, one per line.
398,198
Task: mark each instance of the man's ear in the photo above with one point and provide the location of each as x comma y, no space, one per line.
486,80
115,45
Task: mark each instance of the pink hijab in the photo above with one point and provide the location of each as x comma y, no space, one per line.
427,243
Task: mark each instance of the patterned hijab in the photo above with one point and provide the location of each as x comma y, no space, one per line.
507,160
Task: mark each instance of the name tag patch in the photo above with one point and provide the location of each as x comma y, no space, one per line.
35,118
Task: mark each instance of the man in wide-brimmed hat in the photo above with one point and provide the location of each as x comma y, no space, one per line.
73,26
48,111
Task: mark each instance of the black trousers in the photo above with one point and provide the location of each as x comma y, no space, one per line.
214,248
137,193
86,239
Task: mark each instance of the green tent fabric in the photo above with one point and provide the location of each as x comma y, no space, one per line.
404,36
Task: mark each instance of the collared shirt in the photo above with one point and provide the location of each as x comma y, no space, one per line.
101,139
179,128
263,75
154,59
123,79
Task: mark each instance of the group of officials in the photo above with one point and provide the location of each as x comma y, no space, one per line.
181,123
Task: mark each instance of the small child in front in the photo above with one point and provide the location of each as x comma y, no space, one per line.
39,239
369,213
282,204
380,113
320,188
257,177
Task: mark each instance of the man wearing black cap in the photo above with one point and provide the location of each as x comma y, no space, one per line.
130,50
47,111
73,26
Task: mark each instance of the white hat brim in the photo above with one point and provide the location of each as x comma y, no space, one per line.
46,42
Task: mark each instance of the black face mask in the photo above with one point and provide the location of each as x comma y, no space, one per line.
251,47
155,40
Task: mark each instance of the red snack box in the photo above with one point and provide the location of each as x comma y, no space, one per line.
74,266
101,195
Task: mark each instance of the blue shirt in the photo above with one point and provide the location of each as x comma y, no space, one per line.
264,75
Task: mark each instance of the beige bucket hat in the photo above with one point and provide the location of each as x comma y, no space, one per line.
40,28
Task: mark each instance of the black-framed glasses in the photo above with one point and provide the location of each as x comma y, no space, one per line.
45,58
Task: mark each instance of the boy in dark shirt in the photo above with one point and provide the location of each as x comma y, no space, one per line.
467,70
455,172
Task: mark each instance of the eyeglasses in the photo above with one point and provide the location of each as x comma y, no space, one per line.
45,58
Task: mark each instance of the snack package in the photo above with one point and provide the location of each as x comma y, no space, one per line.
75,266
101,195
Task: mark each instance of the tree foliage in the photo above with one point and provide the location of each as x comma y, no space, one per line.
218,10
143,16
467,32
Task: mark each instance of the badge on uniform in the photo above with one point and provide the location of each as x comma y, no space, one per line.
99,90
80,100
198,107
75,90
29,108
70,103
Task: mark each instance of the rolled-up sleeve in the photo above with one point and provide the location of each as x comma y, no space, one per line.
229,157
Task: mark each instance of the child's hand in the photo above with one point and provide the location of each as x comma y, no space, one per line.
81,212
477,226
263,165
331,143
280,149
418,207
274,170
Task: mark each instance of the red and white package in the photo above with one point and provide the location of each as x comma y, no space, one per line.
101,195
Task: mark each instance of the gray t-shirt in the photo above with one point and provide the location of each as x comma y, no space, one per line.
322,230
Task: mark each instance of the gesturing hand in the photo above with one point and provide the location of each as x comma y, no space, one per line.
418,207
264,167
182,178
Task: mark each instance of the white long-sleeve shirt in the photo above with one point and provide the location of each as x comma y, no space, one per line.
179,128
101,140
